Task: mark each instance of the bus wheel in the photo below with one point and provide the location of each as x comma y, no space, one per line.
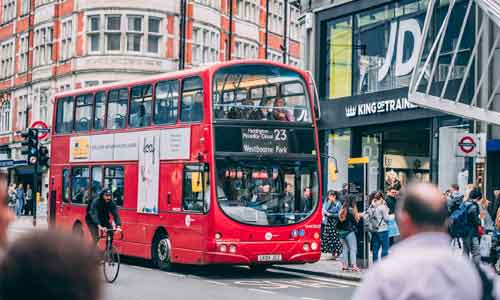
161,252
259,268
77,229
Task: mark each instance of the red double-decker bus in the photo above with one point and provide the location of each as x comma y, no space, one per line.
218,164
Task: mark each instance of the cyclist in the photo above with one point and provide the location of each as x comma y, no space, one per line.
98,212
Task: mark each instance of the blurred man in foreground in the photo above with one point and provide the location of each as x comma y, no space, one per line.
6,215
49,265
423,265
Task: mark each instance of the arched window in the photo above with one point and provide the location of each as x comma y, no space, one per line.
5,117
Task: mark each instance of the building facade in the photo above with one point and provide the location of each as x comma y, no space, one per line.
365,54
49,46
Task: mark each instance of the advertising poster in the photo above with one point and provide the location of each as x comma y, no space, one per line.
149,172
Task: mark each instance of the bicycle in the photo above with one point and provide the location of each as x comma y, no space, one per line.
111,258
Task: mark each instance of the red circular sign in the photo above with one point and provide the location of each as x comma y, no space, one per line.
467,144
43,125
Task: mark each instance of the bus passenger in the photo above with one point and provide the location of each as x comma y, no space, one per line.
263,112
280,113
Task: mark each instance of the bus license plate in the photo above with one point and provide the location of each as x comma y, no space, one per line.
270,257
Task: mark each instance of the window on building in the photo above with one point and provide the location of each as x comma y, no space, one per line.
91,83
83,112
43,46
94,33
22,112
205,45
166,102
134,33
66,180
276,12
23,53
140,106
114,180
25,7
99,110
248,10
64,118
154,35
245,49
212,3
43,105
274,56
9,10
5,117
117,108
42,2
195,188
192,100
66,39
7,59
96,182
80,185
113,32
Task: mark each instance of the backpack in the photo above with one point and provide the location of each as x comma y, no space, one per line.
372,221
459,220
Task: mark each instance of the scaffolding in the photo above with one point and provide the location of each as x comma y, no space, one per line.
448,90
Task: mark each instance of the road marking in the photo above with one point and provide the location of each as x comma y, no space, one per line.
343,282
262,291
216,282
175,274
138,267
307,298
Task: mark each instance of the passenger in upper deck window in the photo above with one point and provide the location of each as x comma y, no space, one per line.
263,113
282,114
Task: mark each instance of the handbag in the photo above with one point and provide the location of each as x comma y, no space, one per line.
393,228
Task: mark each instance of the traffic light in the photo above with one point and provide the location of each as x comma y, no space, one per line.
43,158
30,145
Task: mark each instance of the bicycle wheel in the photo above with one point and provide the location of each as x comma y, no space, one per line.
111,264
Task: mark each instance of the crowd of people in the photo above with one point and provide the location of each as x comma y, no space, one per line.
21,199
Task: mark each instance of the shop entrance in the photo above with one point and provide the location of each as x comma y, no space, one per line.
398,153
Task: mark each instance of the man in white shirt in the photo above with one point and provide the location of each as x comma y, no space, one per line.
423,265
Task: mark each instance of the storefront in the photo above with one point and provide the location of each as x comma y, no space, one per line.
365,56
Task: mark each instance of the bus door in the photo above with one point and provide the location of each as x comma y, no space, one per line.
195,205
63,204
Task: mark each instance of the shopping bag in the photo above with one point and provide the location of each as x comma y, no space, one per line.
485,245
393,228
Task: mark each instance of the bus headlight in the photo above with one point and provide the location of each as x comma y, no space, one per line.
306,247
232,248
218,236
314,246
223,248
316,235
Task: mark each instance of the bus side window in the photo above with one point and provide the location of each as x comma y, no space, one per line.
80,185
117,108
114,180
166,102
66,185
83,112
140,106
64,120
99,110
192,100
195,188
96,182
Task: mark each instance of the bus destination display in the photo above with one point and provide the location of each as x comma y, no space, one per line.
264,141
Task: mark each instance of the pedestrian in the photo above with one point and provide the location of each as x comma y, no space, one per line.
349,218
19,199
12,196
29,200
307,200
62,267
330,241
423,266
472,231
377,217
454,199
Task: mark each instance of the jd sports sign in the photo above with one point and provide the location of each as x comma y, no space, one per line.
376,107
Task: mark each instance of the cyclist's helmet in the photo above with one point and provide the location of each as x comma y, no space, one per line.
106,191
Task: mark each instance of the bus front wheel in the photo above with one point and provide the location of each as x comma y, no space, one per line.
161,252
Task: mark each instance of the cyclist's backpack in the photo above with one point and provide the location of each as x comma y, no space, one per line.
459,221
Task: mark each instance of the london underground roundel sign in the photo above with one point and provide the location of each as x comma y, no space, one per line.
42,125
467,144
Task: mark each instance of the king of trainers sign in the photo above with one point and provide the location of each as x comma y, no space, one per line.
374,108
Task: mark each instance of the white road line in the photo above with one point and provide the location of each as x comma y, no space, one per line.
216,282
138,268
307,298
175,274
262,291
338,281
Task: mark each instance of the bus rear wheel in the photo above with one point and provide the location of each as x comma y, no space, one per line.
161,252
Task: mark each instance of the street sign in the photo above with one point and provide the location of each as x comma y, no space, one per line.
470,145
9,163
43,128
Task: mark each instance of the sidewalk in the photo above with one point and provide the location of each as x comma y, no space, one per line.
326,267
24,224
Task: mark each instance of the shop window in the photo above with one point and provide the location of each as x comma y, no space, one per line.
66,179
192,100
64,120
339,58
83,112
96,181
166,102
99,110
195,188
114,180
140,106
80,185
117,108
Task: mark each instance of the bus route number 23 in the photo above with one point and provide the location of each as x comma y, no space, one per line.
280,135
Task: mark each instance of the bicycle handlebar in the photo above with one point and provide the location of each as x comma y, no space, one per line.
112,231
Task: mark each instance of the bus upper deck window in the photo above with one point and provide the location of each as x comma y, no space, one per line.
64,120
192,100
117,108
99,110
83,112
166,102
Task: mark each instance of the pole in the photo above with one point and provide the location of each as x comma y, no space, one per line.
34,192
285,33
182,38
267,29
230,34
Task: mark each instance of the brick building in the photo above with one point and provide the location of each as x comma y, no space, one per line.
48,46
